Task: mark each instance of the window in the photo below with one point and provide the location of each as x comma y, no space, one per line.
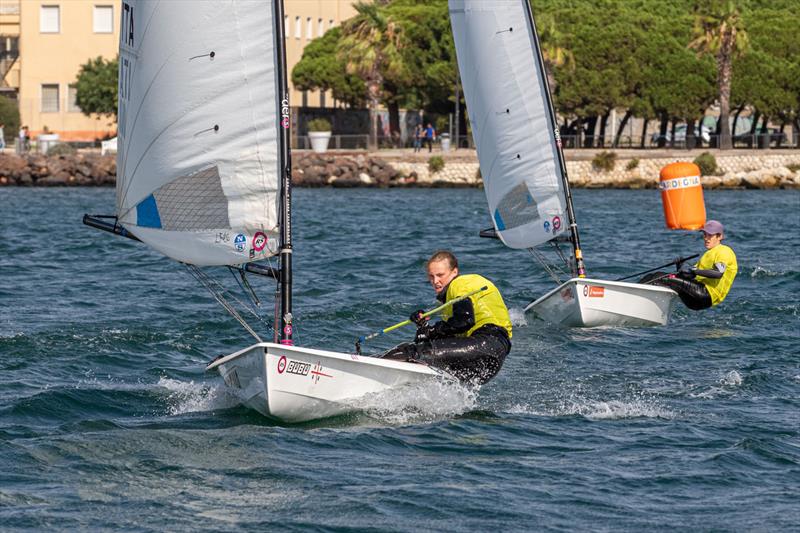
286,27
309,29
50,98
72,99
49,19
298,28
320,28
103,19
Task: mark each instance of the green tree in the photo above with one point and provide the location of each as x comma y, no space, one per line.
767,81
321,68
9,117
719,31
97,87
370,49
555,48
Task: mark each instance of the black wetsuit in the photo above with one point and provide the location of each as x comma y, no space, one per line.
693,294
477,358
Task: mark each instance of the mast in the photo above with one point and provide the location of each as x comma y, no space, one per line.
285,159
580,269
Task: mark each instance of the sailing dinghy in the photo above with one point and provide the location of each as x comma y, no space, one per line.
204,177
522,163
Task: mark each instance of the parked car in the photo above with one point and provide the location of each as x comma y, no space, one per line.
776,137
700,132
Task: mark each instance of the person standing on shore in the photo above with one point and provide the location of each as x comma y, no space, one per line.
430,136
21,140
708,282
418,138
2,136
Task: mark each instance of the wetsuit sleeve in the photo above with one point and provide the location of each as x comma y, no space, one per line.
713,273
463,320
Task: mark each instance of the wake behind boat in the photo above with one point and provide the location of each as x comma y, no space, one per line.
522,164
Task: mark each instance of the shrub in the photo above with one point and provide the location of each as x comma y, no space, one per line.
794,167
435,164
633,163
605,161
319,124
61,149
442,124
707,163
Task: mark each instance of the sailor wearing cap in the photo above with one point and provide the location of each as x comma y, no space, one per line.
708,282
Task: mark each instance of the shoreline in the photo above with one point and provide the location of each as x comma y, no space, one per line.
631,169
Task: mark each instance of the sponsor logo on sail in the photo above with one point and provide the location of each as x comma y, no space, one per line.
259,241
240,242
547,226
285,112
556,223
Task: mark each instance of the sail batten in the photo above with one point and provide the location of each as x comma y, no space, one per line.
505,89
198,159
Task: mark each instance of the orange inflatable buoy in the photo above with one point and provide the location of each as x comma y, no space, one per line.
682,196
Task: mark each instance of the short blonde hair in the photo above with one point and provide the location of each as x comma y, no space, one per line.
443,255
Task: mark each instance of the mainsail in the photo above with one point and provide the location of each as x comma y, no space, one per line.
198,163
511,117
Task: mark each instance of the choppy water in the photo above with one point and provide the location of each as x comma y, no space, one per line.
107,420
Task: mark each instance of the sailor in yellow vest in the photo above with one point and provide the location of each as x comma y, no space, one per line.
707,282
473,337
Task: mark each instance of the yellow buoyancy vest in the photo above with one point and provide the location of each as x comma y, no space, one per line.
488,305
718,288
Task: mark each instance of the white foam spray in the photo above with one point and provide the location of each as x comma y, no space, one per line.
190,397
419,402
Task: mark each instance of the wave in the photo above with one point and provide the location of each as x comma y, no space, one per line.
726,385
518,319
642,407
762,272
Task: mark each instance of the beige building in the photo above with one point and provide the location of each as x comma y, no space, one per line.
43,43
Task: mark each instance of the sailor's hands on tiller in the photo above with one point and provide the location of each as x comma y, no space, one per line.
417,318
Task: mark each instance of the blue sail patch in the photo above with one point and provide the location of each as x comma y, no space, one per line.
147,213
498,220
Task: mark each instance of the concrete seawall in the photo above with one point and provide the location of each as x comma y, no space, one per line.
633,169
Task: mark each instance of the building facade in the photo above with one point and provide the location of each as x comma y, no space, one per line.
43,44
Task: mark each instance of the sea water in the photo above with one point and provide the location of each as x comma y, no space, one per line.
108,421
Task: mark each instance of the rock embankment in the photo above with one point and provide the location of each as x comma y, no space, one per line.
735,170
62,170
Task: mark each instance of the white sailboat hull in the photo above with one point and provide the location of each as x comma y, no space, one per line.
294,384
583,302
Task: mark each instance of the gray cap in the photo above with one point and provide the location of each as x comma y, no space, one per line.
713,227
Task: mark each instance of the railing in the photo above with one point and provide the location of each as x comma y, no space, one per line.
9,7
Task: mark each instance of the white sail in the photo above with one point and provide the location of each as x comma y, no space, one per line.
505,88
198,161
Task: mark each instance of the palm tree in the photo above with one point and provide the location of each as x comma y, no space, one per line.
719,31
554,52
370,47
